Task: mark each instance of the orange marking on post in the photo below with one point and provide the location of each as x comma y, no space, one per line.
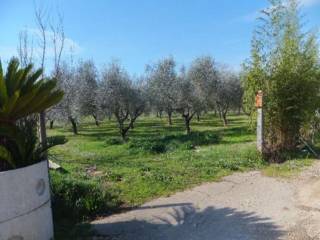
259,101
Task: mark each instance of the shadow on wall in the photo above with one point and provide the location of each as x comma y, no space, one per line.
186,223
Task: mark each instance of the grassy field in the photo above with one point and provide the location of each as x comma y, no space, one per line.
158,159
141,169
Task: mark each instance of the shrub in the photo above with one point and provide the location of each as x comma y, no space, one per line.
23,93
152,145
172,142
114,141
203,138
287,72
78,199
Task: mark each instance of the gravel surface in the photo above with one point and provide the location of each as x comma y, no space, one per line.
244,206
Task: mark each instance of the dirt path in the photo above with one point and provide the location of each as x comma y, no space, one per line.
243,206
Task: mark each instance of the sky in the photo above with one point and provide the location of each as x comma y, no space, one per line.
141,32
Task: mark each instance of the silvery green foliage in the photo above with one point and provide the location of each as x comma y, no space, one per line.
163,85
87,76
53,115
68,109
142,84
204,76
189,101
229,92
120,96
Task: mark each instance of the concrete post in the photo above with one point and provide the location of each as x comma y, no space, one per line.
260,129
260,126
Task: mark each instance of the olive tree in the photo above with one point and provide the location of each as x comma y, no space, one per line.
68,109
188,99
204,77
163,85
88,85
228,94
120,96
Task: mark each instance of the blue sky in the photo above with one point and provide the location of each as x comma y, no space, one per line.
143,31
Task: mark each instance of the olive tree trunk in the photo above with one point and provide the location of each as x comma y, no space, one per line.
74,125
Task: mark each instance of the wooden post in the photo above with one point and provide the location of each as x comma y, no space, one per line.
260,126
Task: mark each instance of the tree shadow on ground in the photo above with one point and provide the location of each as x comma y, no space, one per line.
144,128
187,223
138,131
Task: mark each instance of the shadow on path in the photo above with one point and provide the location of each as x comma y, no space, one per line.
186,223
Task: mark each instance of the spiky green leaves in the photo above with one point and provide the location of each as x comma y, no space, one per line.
6,156
22,93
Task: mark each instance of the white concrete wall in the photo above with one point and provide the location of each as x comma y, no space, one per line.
25,209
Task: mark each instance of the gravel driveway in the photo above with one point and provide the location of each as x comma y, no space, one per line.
244,206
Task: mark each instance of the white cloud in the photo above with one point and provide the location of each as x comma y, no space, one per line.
68,42
8,51
309,3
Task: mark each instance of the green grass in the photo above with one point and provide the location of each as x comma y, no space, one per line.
137,175
289,169
158,159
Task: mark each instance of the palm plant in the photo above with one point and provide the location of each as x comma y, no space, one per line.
23,93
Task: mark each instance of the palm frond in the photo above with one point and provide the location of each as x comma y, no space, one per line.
23,93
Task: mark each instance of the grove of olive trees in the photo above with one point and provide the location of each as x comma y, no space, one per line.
188,92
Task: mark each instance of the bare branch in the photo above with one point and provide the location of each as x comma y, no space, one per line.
58,39
25,48
41,20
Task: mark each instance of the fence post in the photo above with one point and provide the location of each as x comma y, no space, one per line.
260,126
